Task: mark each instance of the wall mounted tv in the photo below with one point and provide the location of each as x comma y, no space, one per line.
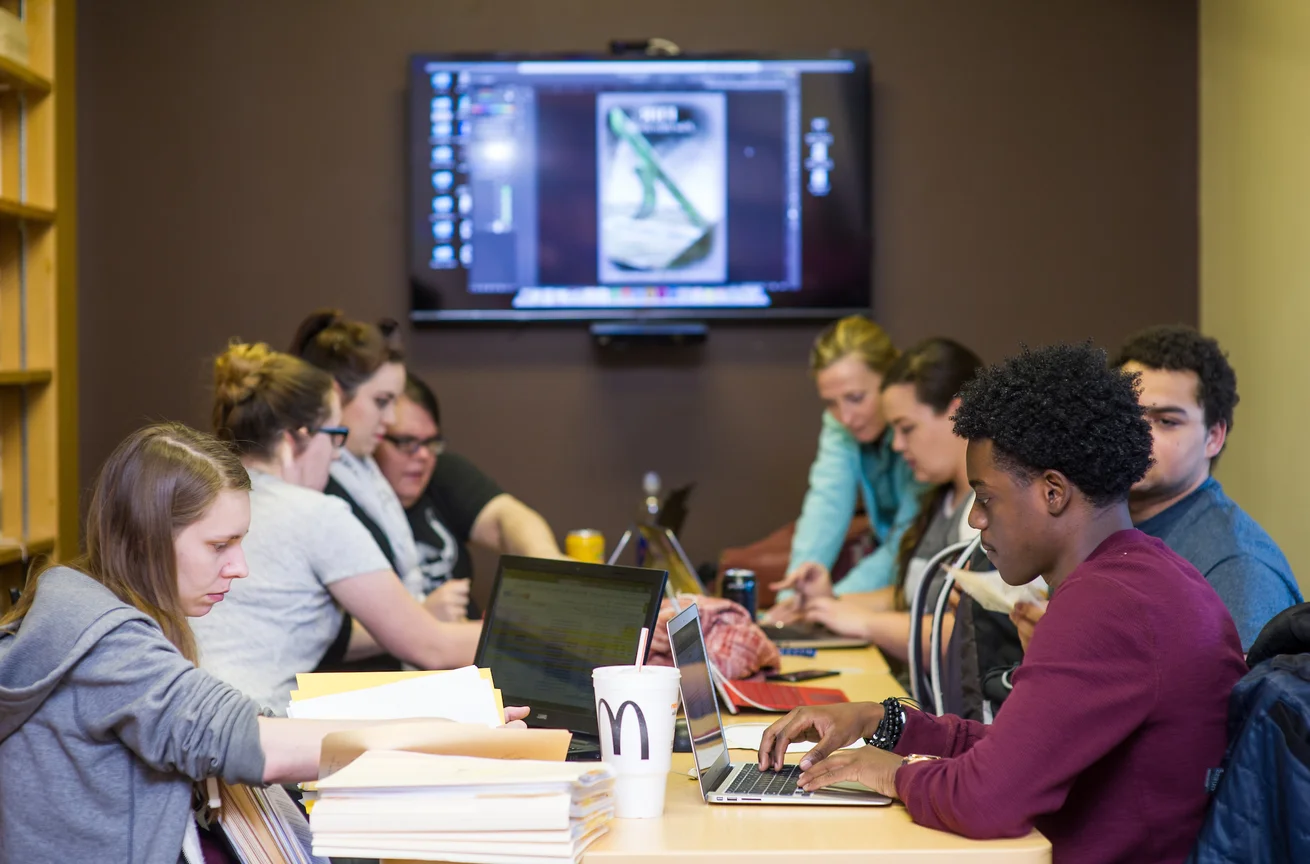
602,188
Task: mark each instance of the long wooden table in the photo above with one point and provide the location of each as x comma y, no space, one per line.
692,832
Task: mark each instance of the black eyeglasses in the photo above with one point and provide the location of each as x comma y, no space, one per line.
409,445
338,434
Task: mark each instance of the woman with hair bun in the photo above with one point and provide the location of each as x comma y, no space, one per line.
312,559
367,365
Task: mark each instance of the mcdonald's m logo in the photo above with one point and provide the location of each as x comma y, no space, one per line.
616,726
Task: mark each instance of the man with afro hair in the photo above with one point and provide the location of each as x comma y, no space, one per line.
1120,705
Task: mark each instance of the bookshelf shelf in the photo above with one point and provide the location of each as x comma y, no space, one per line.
11,554
16,76
24,377
11,209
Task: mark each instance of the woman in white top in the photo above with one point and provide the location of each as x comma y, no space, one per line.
309,555
366,363
918,399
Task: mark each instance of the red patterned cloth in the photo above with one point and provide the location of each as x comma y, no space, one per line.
735,643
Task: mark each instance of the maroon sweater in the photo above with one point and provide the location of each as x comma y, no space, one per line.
1117,711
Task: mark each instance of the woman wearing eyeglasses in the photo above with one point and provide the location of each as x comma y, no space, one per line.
309,557
450,502
366,363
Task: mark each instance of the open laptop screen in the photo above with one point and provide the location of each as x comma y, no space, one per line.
698,700
549,623
665,553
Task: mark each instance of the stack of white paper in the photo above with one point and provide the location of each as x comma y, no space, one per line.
389,804
463,695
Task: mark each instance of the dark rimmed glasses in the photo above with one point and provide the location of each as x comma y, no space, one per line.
410,444
338,434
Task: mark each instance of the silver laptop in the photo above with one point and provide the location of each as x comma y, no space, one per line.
721,781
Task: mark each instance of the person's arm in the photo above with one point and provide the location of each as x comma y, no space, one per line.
293,748
400,625
882,600
888,630
136,687
1089,680
879,568
829,500
509,526
1253,592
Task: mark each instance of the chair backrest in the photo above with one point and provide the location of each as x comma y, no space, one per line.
923,688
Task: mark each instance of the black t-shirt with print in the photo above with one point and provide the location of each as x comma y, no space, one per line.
443,516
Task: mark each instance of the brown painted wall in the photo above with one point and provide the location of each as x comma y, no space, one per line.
241,162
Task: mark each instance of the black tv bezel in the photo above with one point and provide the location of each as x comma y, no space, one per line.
430,317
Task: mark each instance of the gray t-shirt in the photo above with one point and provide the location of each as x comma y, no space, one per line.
280,620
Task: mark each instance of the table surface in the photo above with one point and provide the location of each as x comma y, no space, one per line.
692,831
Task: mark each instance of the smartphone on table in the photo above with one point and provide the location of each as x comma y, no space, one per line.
801,675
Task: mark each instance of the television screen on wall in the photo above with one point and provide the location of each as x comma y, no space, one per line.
603,188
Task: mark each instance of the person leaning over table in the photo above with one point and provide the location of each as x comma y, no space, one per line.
855,462
1120,705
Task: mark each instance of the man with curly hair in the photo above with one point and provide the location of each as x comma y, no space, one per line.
1120,705
1189,391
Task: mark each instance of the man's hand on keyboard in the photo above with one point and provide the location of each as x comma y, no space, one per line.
832,726
868,766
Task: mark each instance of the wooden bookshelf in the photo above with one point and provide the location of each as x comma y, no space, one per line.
11,209
16,76
38,335
24,377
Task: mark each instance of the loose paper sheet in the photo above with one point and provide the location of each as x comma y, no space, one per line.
993,593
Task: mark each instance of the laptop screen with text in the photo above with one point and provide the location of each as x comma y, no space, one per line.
550,623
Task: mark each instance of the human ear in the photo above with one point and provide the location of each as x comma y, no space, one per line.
284,454
1215,437
1056,492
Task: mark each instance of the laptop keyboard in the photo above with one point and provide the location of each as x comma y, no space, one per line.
752,781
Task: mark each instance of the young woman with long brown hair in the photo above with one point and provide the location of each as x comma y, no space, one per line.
105,721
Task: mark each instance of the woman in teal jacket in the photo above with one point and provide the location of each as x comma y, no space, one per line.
854,462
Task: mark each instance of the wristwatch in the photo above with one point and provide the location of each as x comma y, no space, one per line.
917,757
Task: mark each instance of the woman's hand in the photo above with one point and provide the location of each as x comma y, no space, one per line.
1025,617
809,580
450,602
514,717
839,616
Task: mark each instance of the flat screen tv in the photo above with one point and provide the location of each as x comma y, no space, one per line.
602,188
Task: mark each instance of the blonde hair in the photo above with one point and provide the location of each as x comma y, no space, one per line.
158,481
260,393
855,335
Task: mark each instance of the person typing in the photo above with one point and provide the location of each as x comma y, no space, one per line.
1120,705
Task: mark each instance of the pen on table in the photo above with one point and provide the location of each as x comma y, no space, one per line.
797,652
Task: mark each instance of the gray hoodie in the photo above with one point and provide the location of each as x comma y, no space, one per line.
103,728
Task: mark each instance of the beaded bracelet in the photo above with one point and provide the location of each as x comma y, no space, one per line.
889,730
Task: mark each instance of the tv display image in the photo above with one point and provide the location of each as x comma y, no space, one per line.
603,188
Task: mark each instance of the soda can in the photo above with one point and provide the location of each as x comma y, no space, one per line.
585,545
739,587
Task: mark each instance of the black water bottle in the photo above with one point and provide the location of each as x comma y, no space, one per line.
739,587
